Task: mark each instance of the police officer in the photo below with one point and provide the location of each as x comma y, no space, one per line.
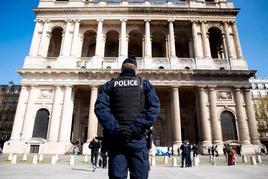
126,107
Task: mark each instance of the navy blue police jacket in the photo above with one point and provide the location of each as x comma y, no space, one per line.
142,122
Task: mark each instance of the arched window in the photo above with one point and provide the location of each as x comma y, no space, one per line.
159,44
228,126
41,124
135,44
55,42
216,43
182,45
89,44
112,44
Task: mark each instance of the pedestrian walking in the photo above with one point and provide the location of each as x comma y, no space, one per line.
94,145
127,107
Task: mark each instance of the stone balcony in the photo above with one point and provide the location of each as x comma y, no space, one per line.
143,63
134,3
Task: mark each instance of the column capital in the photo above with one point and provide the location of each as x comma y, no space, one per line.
99,20
38,20
171,20
212,87
147,20
123,20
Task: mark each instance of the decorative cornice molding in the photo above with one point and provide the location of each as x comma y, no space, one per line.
232,11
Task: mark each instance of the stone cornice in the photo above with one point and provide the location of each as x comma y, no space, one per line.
200,73
141,10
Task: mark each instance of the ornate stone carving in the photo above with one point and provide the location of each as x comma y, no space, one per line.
224,95
46,93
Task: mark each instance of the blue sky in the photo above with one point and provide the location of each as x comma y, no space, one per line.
17,24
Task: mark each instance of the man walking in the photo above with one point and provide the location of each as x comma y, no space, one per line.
127,107
94,145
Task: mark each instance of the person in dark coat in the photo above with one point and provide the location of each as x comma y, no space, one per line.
184,152
127,107
94,145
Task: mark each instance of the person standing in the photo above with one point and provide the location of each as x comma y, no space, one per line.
94,145
127,107
183,148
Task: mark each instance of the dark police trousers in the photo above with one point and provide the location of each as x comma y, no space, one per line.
133,155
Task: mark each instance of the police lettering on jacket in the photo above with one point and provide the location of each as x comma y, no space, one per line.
125,83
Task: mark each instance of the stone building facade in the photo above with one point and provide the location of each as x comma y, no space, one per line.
190,50
9,96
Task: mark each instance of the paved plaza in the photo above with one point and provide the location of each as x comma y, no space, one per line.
83,170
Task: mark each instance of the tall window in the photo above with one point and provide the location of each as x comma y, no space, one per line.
182,45
41,124
112,44
89,44
228,126
55,42
216,43
159,44
135,44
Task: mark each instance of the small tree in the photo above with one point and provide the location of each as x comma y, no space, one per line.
261,111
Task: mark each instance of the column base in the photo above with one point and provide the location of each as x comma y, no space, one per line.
15,146
86,150
53,147
250,149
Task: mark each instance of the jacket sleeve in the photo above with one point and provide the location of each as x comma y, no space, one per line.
146,119
103,109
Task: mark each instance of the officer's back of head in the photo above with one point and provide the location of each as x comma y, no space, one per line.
129,63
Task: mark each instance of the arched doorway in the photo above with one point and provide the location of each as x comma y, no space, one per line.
159,44
228,126
55,42
89,44
41,124
216,43
112,44
135,44
182,45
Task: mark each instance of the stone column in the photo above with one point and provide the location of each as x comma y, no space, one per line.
43,46
55,116
98,51
123,41
195,40
67,39
36,38
206,129
29,117
205,41
148,43
228,42
237,42
215,123
20,114
172,39
67,115
242,124
92,119
253,131
74,51
176,116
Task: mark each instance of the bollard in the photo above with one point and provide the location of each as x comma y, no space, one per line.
71,160
166,159
24,158
174,162
213,161
259,160
41,157
253,160
35,159
153,162
10,157
56,157
53,160
86,159
244,159
14,159
196,162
